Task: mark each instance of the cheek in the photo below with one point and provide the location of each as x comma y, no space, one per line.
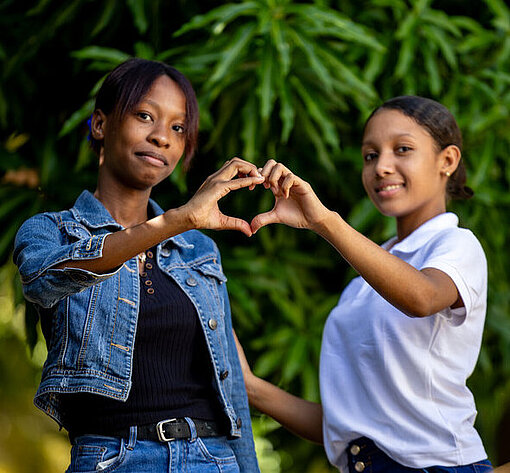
365,180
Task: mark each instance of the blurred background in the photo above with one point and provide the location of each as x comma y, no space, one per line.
293,80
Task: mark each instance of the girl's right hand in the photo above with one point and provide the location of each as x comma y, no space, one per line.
296,204
202,211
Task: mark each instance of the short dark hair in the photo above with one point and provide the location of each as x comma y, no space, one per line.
442,127
129,82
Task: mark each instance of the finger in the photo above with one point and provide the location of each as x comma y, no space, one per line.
277,175
266,170
238,167
262,220
233,223
240,183
287,183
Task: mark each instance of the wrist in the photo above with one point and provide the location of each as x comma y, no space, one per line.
179,219
323,224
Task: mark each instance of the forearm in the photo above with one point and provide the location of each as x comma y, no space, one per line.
123,245
414,292
303,418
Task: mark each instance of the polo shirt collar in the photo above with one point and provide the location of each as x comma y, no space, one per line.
423,233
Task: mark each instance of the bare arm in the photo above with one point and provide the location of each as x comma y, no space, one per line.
414,292
200,212
303,418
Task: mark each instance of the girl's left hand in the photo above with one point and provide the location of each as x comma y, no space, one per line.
296,204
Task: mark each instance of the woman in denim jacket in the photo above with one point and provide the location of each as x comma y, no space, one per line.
142,368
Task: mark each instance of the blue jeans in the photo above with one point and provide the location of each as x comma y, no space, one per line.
99,454
366,457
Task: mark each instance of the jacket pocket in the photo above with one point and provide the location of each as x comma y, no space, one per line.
212,270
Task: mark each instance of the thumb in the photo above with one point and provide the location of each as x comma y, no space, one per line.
261,220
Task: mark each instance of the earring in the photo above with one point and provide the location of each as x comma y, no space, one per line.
447,173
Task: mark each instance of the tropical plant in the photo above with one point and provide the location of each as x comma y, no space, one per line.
286,79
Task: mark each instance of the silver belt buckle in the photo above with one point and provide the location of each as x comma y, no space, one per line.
161,432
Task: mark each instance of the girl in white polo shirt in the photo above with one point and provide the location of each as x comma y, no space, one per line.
406,333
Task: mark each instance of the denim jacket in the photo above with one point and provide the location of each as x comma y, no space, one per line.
89,320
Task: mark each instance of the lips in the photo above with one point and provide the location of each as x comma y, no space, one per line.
388,187
152,157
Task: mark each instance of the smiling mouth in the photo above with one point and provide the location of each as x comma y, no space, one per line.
388,188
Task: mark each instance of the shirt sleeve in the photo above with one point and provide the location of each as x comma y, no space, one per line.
458,253
43,242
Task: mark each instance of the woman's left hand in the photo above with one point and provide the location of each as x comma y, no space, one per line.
296,204
202,210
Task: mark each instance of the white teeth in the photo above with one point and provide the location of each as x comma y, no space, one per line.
390,188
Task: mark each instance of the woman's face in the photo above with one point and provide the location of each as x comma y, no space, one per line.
143,147
403,171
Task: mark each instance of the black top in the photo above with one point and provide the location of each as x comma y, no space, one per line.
172,371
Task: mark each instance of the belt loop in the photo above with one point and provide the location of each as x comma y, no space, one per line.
132,438
192,429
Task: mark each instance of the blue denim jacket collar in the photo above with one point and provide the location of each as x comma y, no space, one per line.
89,211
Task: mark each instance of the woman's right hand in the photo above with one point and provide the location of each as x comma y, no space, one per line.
296,204
202,211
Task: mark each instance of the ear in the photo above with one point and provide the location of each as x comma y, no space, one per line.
450,158
97,125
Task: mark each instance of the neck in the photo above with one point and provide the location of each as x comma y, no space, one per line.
127,206
408,224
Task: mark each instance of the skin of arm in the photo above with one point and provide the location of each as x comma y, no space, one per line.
303,418
416,293
200,212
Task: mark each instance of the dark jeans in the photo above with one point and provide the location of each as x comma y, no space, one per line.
365,457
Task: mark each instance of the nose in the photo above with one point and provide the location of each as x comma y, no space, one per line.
159,136
385,164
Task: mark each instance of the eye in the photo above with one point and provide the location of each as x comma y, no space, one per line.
144,116
404,149
370,156
178,128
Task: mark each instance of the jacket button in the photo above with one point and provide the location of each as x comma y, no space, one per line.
359,466
239,422
191,282
213,324
223,375
355,449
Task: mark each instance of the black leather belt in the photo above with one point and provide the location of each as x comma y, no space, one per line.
167,430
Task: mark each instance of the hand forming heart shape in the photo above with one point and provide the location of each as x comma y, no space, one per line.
295,205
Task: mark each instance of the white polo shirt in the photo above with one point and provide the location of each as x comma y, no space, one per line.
401,381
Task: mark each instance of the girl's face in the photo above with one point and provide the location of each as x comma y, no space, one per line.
143,147
403,171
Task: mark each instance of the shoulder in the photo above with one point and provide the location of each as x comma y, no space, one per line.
456,241
44,222
200,241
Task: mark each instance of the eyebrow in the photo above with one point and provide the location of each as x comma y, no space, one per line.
395,136
155,104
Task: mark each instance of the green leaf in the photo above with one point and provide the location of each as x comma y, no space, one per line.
287,112
106,16
311,52
220,14
239,42
266,88
435,83
144,50
110,55
316,112
438,37
137,8
77,118
406,56
295,359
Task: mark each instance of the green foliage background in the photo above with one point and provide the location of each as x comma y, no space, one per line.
287,79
